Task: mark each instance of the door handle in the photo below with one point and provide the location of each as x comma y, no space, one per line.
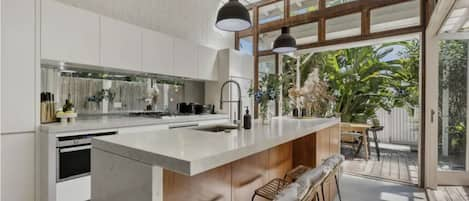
432,115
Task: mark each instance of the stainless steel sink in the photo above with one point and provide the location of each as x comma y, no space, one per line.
217,128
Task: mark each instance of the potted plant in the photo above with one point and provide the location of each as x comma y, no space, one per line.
265,95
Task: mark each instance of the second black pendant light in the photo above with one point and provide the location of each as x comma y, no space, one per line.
285,43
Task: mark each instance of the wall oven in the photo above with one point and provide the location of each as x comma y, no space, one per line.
74,156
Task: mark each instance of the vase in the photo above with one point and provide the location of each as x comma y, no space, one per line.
266,113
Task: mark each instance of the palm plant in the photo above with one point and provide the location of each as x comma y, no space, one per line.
362,82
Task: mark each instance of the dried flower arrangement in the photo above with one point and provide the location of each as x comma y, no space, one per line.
314,96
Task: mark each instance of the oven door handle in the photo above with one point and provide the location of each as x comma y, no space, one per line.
78,148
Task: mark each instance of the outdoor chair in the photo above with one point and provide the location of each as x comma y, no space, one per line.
374,131
355,139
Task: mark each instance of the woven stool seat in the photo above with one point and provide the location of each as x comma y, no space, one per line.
270,190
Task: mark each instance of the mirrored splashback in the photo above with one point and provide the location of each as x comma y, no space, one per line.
94,92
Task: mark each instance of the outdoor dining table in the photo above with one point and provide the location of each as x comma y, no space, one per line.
360,128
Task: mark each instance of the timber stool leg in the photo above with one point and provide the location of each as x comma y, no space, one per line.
337,186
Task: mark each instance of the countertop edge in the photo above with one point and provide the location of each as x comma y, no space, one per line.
196,166
191,168
57,128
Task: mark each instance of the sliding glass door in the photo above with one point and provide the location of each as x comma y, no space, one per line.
452,106
447,74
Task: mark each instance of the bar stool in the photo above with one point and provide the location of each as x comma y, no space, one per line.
271,189
333,164
295,173
306,189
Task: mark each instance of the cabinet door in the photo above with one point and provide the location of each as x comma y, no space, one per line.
247,66
322,146
18,66
121,45
69,33
334,140
18,166
235,63
207,63
157,53
241,65
185,59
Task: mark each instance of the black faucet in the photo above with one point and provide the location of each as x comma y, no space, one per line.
238,121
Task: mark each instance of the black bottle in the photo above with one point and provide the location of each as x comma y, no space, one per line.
247,119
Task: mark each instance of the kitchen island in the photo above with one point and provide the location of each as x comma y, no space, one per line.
191,164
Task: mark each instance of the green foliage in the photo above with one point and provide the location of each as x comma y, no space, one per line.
362,82
269,90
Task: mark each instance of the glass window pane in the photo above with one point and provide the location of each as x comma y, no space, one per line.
306,33
245,45
396,16
298,7
455,20
330,3
344,26
271,12
266,40
452,105
266,65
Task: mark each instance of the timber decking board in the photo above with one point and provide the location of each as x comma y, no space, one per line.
449,193
400,166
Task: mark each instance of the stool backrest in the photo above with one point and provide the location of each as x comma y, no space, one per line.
328,173
315,188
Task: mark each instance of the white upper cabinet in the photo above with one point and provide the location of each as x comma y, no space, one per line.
18,66
157,54
185,59
121,45
207,63
69,34
241,64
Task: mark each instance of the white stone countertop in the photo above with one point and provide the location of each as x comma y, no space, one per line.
190,152
115,122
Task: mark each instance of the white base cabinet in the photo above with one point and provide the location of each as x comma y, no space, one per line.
18,167
69,34
74,190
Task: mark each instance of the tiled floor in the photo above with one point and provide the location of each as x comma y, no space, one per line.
396,164
361,189
449,193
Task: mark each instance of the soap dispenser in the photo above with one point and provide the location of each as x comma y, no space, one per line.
247,119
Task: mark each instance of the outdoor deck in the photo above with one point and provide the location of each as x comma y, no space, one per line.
449,193
395,165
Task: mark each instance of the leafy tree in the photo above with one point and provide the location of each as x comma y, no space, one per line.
362,82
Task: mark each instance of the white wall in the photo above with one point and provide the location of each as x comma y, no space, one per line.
192,20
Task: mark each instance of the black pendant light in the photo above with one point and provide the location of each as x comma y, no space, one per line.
233,16
285,43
